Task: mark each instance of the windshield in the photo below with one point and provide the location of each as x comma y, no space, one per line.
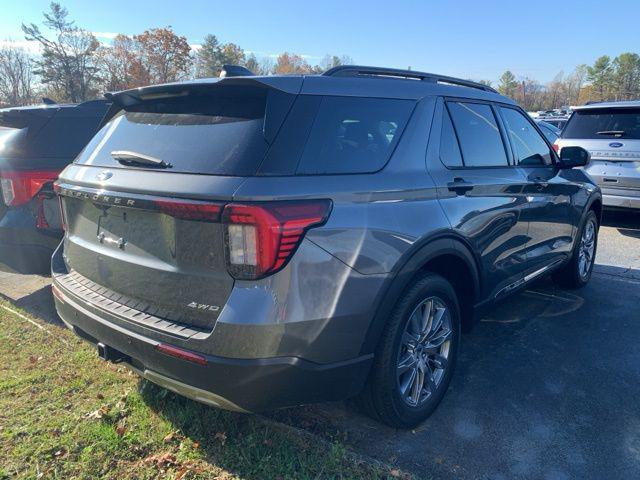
604,123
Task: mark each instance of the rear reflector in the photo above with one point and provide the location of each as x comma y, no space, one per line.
261,238
181,354
57,293
19,188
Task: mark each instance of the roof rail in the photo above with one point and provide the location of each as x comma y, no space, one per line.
357,70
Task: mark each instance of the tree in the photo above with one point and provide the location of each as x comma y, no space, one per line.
66,65
207,58
121,66
508,84
626,76
164,56
331,61
600,76
288,63
16,77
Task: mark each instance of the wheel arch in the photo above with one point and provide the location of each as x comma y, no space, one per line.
448,256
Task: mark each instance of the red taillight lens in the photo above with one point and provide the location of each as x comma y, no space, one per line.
19,188
261,238
556,147
190,210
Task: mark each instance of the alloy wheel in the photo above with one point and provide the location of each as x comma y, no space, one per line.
424,352
586,252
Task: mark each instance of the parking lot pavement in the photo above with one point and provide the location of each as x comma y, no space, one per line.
547,384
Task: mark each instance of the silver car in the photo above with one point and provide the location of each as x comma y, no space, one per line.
611,133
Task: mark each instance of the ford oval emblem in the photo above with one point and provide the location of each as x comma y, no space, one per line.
616,144
104,175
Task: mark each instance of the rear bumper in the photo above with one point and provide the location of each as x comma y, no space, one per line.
620,201
235,384
23,247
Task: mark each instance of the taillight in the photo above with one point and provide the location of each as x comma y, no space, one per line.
556,146
261,238
19,188
190,209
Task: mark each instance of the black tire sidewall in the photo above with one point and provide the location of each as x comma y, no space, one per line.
427,286
575,264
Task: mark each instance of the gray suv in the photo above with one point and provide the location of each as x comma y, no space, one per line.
610,131
261,242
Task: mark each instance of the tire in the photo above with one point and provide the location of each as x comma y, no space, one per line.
392,394
574,274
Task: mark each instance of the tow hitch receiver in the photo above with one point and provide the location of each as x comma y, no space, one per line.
109,354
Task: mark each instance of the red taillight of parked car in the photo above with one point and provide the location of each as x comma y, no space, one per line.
261,238
19,188
556,147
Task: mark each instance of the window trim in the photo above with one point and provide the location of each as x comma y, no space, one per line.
516,159
498,119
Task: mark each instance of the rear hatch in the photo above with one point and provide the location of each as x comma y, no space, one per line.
612,136
142,202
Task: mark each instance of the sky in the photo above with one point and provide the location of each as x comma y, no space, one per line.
464,38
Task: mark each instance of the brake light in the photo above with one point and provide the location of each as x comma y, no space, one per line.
19,188
556,146
261,238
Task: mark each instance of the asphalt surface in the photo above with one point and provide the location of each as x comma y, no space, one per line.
547,385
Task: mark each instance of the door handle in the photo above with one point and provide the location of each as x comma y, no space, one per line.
540,183
460,186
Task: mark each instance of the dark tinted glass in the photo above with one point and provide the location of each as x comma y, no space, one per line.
478,133
221,132
449,148
530,147
354,135
604,123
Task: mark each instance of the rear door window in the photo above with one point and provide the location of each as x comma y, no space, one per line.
530,147
604,123
354,135
479,135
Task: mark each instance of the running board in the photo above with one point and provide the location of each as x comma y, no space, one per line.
526,279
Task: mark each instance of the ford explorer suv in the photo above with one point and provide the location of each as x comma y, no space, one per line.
36,143
611,133
260,242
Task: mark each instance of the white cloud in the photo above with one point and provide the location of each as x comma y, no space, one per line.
106,35
29,46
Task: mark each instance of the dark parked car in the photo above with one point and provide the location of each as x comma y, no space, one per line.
258,242
36,143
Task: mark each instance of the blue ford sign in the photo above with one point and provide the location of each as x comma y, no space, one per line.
616,144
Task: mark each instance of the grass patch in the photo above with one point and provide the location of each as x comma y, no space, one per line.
65,414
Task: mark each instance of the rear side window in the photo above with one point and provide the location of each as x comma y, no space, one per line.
478,133
354,135
530,148
604,123
449,149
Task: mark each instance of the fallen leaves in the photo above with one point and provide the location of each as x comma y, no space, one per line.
99,413
221,436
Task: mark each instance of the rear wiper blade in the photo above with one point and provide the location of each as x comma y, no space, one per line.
127,157
616,133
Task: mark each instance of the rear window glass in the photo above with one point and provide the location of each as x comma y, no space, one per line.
225,131
479,136
354,135
604,123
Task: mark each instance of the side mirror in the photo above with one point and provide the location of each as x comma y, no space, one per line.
573,157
